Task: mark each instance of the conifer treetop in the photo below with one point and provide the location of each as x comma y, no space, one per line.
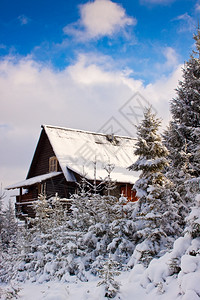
149,146
185,108
196,37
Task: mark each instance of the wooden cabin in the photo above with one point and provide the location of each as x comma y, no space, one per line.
63,156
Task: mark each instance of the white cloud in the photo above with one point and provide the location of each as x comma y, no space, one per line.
23,19
88,72
99,18
171,60
171,57
197,6
187,23
84,95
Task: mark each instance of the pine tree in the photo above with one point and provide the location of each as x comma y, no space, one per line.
183,134
193,221
9,226
107,273
48,249
104,222
123,229
179,171
83,214
43,211
8,241
2,217
151,155
155,215
90,218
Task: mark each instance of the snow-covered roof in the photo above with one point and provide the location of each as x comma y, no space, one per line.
33,180
77,150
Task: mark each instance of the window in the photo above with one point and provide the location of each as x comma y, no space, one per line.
53,164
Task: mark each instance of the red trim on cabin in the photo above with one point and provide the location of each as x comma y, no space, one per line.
128,192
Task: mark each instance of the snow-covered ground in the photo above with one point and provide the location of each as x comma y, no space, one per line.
153,283
130,289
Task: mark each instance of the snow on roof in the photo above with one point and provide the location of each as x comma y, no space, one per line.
77,150
33,180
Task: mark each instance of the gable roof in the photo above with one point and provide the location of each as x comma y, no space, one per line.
77,150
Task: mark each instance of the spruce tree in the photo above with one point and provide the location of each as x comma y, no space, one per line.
2,217
183,134
122,228
193,221
155,215
8,241
108,273
104,222
8,233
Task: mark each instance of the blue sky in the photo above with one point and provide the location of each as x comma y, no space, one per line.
42,29
78,63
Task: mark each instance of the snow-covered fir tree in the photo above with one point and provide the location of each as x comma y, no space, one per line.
182,138
193,221
91,216
8,240
123,229
82,209
2,196
8,231
155,215
48,249
108,273
43,211
113,233
105,222
185,108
